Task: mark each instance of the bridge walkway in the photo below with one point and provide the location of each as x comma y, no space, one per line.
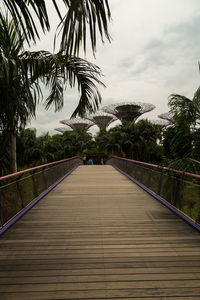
97,235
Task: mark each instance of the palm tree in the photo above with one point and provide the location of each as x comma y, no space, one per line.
20,75
79,17
182,138
185,111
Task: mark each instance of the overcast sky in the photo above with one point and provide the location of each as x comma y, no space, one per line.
154,52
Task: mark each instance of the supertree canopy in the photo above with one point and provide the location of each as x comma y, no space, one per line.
78,123
167,116
62,129
101,119
128,111
163,123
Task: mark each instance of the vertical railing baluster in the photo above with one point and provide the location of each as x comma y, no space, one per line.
142,173
1,207
52,174
63,169
20,190
44,177
57,169
160,183
136,171
176,190
149,177
198,217
35,191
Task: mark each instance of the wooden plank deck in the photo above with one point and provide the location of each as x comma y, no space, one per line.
99,236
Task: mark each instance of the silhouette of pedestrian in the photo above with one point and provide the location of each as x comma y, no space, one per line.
90,161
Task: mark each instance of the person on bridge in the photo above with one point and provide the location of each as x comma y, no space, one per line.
90,162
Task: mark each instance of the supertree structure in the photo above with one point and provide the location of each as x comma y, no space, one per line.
62,129
78,123
163,123
128,111
101,119
167,116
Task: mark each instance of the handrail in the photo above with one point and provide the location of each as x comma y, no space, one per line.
19,193
157,166
178,193
36,168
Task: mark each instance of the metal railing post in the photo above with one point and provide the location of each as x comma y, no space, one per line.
160,183
136,171
198,217
176,190
20,190
44,178
141,175
1,209
52,174
149,177
35,191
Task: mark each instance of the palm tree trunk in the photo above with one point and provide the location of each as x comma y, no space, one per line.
13,157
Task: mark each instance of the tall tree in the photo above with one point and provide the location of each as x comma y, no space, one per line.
20,75
180,140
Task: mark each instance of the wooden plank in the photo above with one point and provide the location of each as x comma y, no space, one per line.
107,271
174,293
99,236
117,278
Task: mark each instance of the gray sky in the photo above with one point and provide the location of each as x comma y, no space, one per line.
154,52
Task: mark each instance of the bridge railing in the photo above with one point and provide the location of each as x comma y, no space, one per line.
18,190
180,189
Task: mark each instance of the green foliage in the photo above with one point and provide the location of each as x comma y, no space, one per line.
133,140
33,151
137,141
177,142
21,73
182,140
76,19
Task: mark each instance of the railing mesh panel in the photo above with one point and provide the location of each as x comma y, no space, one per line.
18,191
182,190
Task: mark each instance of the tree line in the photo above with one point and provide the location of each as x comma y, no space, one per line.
176,146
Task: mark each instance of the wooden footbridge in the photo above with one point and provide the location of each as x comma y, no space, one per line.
97,235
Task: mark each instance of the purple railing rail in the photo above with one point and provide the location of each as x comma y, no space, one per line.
179,191
19,190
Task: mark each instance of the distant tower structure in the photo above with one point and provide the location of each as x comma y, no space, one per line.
62,129
128,111
167,116
101,119
78,123
163,123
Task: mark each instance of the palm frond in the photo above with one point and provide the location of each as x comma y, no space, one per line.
83,15
57,71
78,17
183,110
21,12
196,101
185,164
